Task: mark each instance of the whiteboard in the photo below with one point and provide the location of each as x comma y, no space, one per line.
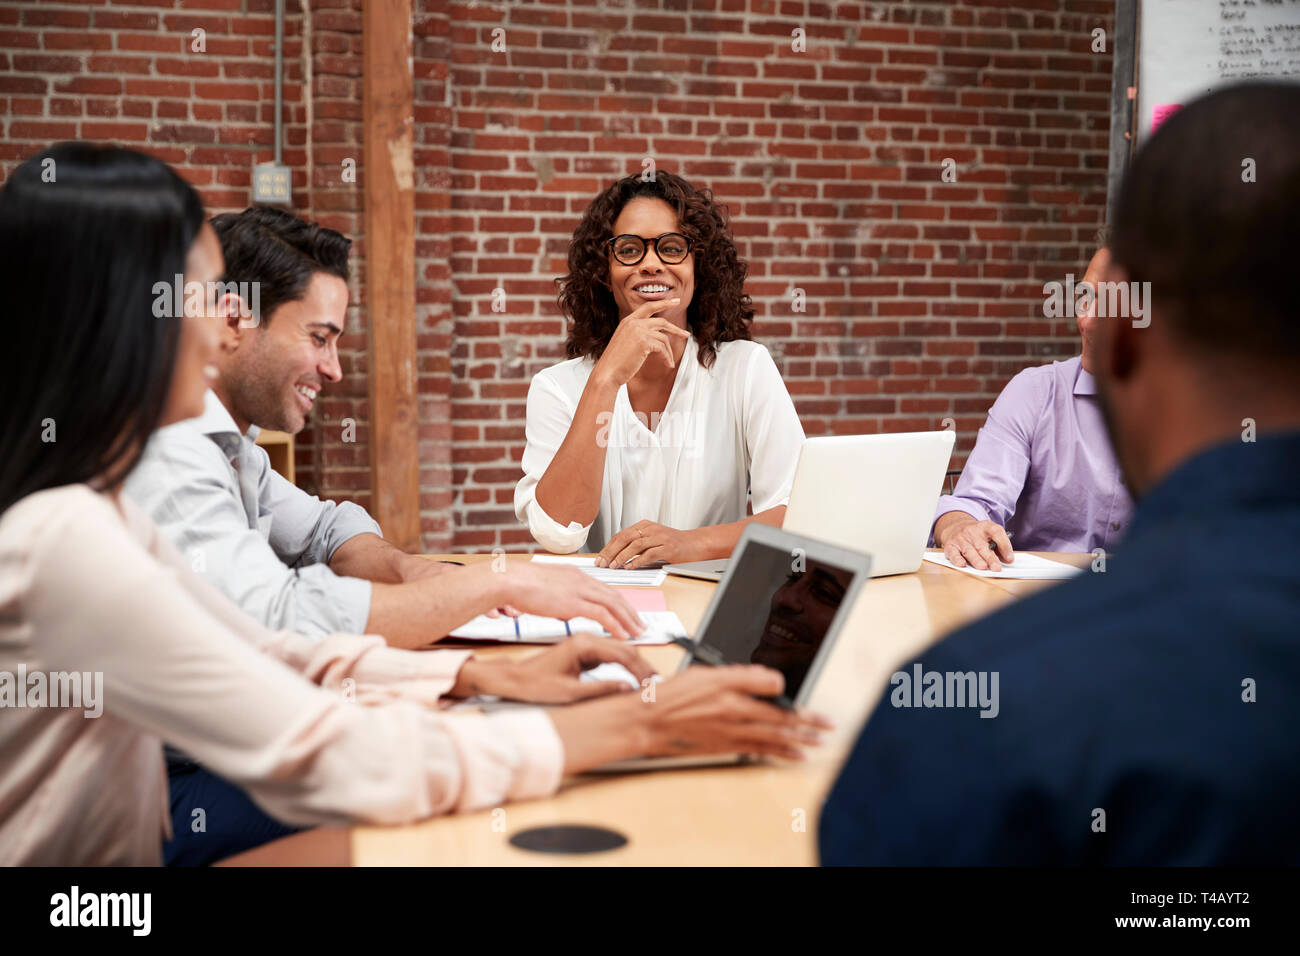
1189,47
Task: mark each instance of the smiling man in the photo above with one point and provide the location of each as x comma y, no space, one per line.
297,563
289,559
272,371
268,546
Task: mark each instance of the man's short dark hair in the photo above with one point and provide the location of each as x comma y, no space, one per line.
280,252
1209,214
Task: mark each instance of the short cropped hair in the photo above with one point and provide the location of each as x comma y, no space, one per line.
1209,214
280,252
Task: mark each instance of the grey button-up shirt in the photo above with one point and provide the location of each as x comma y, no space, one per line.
257,538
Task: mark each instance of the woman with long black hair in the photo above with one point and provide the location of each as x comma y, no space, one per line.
110,645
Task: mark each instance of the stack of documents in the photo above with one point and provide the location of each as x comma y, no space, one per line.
661,628
648,578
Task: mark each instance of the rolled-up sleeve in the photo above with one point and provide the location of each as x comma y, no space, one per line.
549,415
307,530
186,486
998,465
307,755
773,435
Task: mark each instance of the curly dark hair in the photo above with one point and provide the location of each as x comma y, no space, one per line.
720,311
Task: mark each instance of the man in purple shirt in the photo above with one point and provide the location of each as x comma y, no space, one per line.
1042,471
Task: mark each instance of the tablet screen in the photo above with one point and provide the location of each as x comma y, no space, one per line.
777,610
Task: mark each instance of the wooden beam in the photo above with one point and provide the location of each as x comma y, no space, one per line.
389,175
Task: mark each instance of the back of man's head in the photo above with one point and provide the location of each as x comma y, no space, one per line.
1209,214
278,251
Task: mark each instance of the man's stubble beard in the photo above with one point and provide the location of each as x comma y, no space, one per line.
259,397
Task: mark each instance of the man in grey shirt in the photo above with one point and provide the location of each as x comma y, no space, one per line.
289,559
297,563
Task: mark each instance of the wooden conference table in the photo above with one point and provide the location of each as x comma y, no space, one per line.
721,816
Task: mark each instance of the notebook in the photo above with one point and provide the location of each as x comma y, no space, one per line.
661,628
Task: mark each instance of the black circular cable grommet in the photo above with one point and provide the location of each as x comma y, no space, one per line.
568,838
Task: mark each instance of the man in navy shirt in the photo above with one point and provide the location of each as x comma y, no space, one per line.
1149,714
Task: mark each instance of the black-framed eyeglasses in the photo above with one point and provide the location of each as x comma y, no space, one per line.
671,248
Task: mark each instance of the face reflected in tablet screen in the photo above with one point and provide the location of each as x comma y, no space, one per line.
801,613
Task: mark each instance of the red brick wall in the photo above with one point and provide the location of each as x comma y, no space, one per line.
922,296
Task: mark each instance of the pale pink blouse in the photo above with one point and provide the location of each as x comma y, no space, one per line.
317,731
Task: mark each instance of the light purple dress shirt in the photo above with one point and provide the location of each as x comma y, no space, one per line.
1043,466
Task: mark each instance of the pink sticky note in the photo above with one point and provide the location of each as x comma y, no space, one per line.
1161,112
644,599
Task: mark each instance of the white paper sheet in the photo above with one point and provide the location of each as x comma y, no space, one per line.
1029,567
661,628
615,577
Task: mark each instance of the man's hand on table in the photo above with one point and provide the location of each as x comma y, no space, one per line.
983,545
566,593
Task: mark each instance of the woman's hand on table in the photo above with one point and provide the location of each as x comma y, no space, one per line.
647,542
705,710
555,675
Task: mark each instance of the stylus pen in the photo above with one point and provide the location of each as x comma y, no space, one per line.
703,654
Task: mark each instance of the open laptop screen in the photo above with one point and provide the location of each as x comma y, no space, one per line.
776,610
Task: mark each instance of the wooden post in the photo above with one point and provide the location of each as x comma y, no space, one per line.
389,176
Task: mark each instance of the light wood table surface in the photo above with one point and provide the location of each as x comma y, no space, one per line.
720,816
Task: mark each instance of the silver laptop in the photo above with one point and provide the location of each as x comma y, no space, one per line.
782,603
872,493
713,570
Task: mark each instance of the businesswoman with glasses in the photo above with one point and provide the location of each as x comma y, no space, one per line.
667,429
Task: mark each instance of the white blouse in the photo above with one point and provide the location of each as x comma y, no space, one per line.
726,434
